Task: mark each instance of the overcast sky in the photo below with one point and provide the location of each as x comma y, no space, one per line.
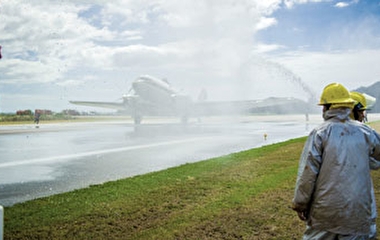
57,51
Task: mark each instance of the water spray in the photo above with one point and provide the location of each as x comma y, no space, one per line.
287,75
294,78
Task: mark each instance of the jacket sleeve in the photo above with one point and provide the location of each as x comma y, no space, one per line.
309,167
375,151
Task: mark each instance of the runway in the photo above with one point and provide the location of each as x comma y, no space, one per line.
55,158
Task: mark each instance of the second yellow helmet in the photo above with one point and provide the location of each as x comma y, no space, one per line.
360,101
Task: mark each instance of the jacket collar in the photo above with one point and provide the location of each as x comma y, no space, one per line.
341,114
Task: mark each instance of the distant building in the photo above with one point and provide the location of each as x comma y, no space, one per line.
43,112
24,112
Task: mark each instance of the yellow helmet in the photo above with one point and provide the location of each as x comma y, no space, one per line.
360,101
336,94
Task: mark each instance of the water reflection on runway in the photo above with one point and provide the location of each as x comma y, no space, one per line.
55,158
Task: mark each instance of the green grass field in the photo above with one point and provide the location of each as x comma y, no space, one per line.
245,195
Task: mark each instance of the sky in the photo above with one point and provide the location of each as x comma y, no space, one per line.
57,51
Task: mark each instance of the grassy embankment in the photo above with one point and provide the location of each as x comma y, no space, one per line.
244,195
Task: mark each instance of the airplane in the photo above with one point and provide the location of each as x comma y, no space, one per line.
148,96
151,96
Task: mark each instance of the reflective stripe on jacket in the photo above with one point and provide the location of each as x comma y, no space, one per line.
334,182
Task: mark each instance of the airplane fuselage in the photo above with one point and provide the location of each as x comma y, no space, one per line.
153,96
153,90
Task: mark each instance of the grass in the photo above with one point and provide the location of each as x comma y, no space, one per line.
244,195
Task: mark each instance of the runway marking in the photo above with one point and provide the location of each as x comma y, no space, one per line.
86,154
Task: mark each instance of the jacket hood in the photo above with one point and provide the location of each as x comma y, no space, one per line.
341,114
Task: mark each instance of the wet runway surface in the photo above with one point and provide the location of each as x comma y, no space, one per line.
55,158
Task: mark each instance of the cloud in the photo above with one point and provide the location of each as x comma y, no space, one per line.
346,4
265,23
70,83
264,48
342,4
78,48
53,33
291,3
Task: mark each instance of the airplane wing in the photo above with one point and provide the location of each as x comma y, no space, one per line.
136,107
274,105
132,106
111,105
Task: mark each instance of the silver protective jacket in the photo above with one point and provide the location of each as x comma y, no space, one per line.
334,182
